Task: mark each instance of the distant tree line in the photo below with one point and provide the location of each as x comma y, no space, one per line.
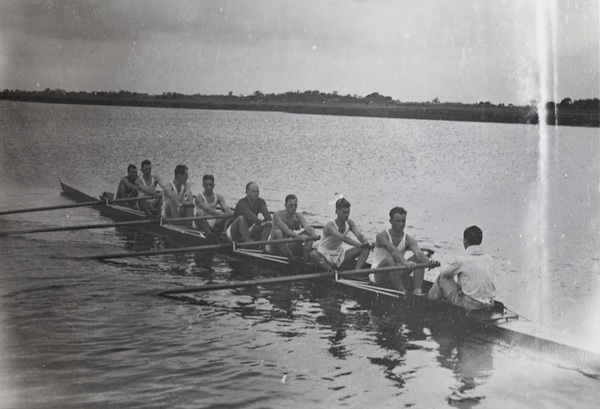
568,112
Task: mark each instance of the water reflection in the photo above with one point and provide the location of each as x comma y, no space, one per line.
469,357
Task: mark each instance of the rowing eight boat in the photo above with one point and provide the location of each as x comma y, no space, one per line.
510,325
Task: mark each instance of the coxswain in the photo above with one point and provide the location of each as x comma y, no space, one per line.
468,279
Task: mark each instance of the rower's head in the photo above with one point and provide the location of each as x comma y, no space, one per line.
146,167
473,236
291,204
132,172
181,173
208,182
342,209
252,191
398,218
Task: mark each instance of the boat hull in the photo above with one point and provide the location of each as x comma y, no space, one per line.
123,213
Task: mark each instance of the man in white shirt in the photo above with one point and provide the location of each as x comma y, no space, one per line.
474,288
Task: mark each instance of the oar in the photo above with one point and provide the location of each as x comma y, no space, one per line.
327,274
107,225
80,204
232,246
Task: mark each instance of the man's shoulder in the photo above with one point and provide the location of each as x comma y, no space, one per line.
382,234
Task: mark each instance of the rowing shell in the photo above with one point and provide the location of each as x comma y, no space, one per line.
508,325
124,213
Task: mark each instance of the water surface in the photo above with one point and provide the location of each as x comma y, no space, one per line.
94,334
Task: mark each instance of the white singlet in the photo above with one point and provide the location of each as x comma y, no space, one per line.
331,247
380,253
167,200
199,212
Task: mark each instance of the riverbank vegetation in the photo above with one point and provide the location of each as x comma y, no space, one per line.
567,112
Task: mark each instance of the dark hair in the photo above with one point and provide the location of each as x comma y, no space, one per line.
180,170
132,166
248,185
290,197
341,202
473,235
208,177
399,210
146,162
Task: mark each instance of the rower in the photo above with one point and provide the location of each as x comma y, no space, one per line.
178,200
246,225
331,254
474,288
285,222
146,184
390,248
127,187
209,203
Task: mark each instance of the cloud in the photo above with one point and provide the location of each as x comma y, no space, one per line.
460,50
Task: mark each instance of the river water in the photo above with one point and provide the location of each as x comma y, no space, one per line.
95,334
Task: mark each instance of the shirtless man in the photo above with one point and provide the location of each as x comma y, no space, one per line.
127,187
146,184
330,254
206,205
246,225
284,224
178,200
390,247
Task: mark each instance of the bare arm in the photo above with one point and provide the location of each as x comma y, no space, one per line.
278,221
331,229
201,203
414,247
189,196
143,188
361,237
170,192
226,209
127,183
306,226
383,241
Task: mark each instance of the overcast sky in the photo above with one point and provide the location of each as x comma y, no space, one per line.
509,51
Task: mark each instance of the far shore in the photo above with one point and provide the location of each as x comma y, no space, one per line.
381,107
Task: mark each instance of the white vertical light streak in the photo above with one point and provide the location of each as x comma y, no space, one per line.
546,53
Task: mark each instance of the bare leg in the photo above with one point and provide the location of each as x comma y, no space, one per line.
279,249
396,277
187,212
354,252
202,224
418,276
239,229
